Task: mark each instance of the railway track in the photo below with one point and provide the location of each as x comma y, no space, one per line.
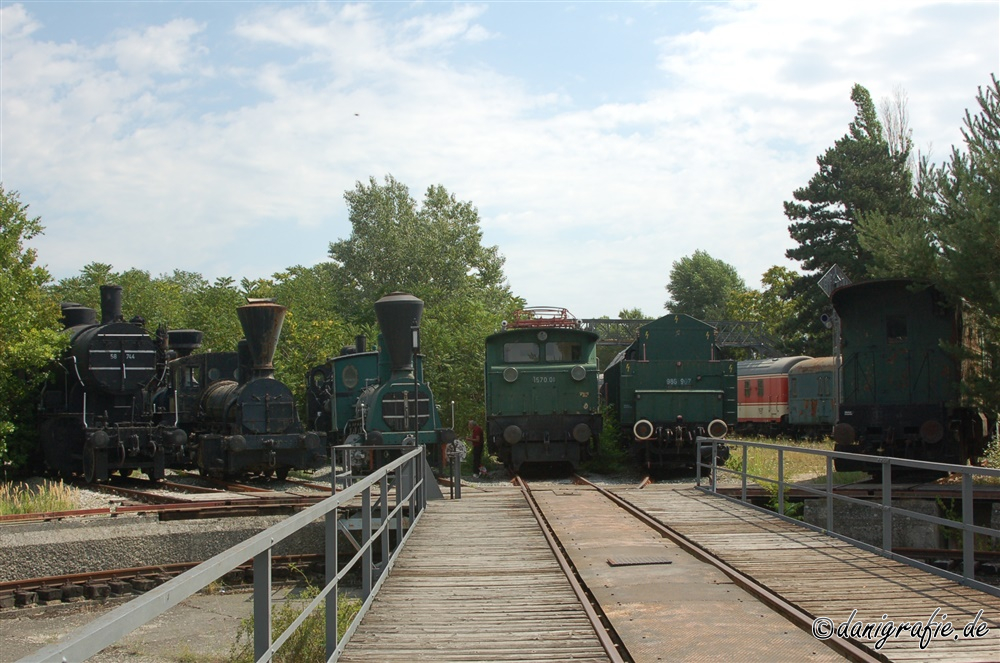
595,584
172,500
113,583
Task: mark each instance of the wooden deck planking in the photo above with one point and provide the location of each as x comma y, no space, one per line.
827,577
476,582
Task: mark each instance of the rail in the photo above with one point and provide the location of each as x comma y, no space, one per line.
780,485
405,477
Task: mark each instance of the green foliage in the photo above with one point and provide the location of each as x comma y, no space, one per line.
308,643
29,330
861,174
702,286
953,241
611,457
434,252
772,305
44,498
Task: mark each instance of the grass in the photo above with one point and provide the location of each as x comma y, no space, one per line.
308,642
48,496
798,467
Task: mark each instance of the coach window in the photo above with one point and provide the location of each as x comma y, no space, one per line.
563,352
520,353
760,387
895,328
746,387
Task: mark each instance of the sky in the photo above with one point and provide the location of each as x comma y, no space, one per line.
601,142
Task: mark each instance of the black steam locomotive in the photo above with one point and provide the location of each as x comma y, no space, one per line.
238,418
94,414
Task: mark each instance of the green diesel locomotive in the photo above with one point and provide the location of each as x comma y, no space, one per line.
667,388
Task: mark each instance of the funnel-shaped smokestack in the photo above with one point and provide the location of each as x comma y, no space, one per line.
111,303
398,313
261,322
184,341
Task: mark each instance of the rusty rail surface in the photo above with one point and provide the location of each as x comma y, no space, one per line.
610,642
797,616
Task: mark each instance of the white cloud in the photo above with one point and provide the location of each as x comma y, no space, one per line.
175,157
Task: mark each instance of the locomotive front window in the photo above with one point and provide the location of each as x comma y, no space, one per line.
520,353
192,376
563,352
895,328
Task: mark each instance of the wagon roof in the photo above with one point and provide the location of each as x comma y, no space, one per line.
751,367
817,365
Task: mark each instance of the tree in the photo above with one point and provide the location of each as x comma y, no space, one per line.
955,242
863,173
702,286
772,305
29,329
632,314
434,252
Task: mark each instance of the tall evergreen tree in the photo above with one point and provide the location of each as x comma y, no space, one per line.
861,174
955,243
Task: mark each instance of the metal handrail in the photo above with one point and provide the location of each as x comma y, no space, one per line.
967,527
409,479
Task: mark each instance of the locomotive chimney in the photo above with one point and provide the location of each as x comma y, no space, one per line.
261,321
111,304
184,341
397,313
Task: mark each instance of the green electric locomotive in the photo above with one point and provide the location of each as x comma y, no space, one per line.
542,390
667,388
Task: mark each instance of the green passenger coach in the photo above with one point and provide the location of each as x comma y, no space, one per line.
542,390
667,388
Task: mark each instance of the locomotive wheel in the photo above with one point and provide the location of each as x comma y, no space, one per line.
282,473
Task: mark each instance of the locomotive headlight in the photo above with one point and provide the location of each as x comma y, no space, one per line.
510,374
578,373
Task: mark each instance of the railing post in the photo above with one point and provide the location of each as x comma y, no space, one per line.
887,506
384,514
781,482
262,603
697,460
829,493
968,536
330,552
366,535
743,493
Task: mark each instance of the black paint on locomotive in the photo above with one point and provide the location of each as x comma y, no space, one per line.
240,419
94,414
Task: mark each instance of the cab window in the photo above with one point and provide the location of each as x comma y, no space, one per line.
563,352
520,353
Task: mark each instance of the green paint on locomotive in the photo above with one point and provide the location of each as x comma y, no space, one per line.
669,371
901,375
542,400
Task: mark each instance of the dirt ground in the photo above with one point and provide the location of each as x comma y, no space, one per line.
200,630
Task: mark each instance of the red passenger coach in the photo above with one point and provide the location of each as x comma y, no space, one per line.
762,393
